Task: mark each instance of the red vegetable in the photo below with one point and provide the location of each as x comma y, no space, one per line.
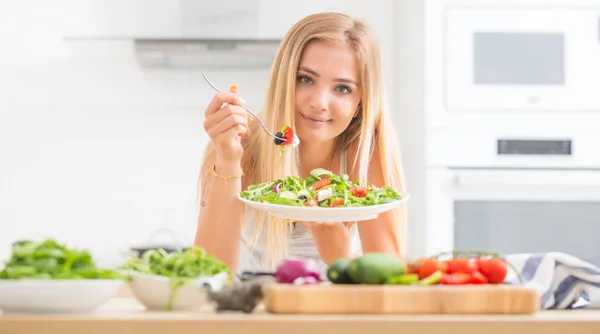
276,188
292,268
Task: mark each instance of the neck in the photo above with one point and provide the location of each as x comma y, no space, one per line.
316,155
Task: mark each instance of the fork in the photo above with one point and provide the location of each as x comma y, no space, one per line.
250,112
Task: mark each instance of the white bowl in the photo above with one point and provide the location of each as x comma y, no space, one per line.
55,296
155,292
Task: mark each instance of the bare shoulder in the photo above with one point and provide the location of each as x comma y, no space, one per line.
375,172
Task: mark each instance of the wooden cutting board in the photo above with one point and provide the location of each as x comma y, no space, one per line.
327,298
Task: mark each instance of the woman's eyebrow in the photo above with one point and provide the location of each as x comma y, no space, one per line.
308,70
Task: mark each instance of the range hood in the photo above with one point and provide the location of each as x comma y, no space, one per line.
203,53
180,33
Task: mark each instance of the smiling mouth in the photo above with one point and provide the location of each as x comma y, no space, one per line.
316,119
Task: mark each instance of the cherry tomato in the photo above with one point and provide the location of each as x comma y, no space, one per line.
321,183
311,202
359,191
337,202
461,266
457,278
493,269
426,267
478,278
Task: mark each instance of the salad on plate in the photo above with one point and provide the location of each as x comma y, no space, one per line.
321,189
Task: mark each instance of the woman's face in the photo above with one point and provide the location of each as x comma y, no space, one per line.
327,92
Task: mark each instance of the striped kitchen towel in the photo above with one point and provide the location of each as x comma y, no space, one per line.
563,281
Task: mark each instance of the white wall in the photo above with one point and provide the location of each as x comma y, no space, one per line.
104,152
95,150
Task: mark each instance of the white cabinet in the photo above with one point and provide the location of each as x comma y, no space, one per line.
154,19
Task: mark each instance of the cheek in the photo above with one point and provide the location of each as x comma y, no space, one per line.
345,110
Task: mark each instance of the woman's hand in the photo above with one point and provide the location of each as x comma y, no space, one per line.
333,240
226,123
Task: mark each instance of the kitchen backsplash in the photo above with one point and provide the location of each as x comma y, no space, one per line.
99,153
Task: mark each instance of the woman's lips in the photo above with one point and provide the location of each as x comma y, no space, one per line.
316,121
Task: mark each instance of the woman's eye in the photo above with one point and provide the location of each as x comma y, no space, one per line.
344,89
305,80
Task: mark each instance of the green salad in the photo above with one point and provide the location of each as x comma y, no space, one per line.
321,189
49,259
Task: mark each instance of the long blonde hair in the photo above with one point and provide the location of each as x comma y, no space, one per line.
263,161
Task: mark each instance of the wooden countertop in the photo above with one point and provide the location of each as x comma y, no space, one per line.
127,316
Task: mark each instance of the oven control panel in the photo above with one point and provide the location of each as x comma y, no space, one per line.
533,147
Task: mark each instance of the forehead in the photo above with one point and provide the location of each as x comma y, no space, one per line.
330,60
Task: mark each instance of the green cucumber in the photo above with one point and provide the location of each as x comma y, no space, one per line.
337,272
375,268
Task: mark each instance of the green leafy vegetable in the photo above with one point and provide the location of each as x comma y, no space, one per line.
322,188
49,259
185,265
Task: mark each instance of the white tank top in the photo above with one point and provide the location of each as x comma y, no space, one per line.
301,243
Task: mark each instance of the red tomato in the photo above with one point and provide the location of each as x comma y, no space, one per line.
493,269
321,183
359,191
456,278
461,266
426,267
337,202
311,202
478,278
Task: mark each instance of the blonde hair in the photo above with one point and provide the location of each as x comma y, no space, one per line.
263,161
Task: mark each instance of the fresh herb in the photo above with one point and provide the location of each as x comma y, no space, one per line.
49,259
322,188
180,266
189,264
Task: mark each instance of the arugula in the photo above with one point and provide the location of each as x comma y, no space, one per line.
49,259
181,265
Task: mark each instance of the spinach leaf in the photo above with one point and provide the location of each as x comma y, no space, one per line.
48,259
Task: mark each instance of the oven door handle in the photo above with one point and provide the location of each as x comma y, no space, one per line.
527,178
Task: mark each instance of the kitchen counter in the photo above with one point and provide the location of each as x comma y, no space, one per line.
127,316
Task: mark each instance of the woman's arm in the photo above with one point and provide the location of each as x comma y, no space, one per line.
220,218
384,233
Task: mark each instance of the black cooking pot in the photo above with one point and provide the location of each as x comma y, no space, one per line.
170,247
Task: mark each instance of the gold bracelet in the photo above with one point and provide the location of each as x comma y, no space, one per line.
213,172
228,177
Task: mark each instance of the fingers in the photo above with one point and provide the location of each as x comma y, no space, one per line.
230,120
227,123
222,98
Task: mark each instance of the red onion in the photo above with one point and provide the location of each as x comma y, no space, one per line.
276,188
292,268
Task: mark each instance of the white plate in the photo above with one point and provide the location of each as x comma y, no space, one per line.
55,296
320,214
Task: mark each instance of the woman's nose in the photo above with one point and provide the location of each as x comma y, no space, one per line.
320,100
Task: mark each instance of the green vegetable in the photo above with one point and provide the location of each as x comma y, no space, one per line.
405,279
181,266
337,272
375,268
432,279
49,259
295,191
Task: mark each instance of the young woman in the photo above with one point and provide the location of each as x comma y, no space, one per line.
326,83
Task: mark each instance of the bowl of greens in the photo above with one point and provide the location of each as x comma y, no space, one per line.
323,196
179,280
49,277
